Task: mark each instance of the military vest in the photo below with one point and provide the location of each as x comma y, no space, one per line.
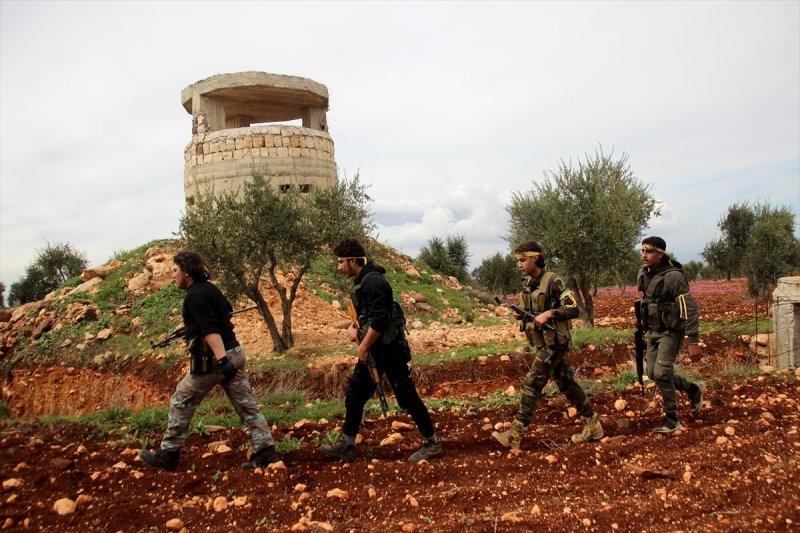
661,311
537,301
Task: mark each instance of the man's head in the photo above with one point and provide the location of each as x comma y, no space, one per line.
530,258
653,250
189,267
350,257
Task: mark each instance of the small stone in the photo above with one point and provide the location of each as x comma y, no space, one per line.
12,483
220,503
174,524
64,506
336,493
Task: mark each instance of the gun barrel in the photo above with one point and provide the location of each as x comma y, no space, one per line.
376,378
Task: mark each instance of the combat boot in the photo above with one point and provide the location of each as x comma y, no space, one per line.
340,450
512,437
697,397
263,457
592,430
428,451
166,459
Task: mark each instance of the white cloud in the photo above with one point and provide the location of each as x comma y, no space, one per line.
445,108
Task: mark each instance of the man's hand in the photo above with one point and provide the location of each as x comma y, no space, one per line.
543,318
229,370
694,349
352,333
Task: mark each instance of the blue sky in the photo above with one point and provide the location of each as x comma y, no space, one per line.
444,108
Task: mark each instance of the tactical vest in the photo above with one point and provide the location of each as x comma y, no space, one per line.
536,301
397,319
660,311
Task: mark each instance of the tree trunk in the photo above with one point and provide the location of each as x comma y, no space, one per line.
585,289
278,343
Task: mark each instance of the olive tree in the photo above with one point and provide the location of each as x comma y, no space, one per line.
52,266
263,231
450,257
771,251
588,217
498,274
727,253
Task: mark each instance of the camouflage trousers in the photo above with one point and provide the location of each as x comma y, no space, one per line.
191,391
662,351
540,373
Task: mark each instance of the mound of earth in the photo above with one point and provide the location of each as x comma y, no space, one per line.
734,467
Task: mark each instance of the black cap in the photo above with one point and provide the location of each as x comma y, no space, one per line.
656,242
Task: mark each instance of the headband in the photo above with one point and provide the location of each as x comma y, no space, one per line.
651,248
522,255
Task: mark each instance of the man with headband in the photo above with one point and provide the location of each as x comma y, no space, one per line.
543,295
378,334
668,313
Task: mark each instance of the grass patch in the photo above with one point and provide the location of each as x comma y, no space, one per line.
599,336
148,421
287,408
465,353
736,370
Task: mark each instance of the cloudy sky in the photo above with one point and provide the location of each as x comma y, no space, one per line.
444,108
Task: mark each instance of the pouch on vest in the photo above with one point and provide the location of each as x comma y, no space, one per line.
660,314
671,316
536,302
201,359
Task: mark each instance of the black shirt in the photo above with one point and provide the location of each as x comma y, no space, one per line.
205,311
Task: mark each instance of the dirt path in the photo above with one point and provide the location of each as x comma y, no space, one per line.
735,466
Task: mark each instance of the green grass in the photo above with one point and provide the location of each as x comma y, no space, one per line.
464,353
599,336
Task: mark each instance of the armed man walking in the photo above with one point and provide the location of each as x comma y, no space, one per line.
216,359
669,312
381,336
544,296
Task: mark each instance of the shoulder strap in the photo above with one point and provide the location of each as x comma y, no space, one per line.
548,275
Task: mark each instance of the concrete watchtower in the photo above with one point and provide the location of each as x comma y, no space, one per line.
230,138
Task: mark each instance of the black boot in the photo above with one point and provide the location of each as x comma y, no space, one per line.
339,450
263,457
166,459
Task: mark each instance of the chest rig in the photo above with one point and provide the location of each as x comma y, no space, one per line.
660,311
537,301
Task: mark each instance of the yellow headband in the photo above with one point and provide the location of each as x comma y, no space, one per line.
650,248
522,255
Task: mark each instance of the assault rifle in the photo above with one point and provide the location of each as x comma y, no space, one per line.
373,370
527,316
178,333
639,345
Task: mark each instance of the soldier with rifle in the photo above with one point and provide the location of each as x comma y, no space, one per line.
378,330
546,313
216,358
666,313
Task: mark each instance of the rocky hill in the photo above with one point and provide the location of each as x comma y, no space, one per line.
101,328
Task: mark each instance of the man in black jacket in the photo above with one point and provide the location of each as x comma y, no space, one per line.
209,335
381,336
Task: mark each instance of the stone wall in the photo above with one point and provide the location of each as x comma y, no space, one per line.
290,155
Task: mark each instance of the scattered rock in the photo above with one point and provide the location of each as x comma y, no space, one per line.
64,506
